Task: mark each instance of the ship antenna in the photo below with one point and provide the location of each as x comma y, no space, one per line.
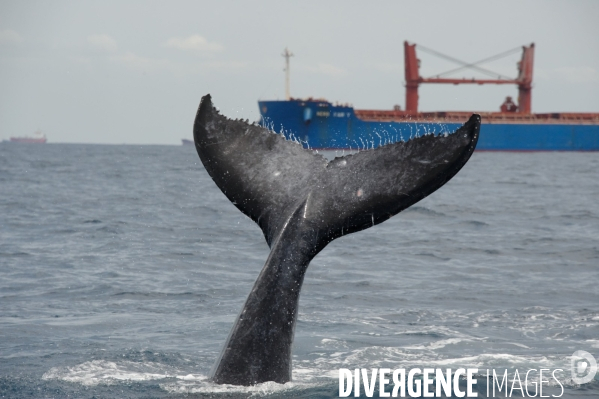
287,54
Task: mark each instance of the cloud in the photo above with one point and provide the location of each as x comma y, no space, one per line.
81,60
584,74
230,65
103,42
194,43
542,74
139,63
327,69
9,36
387,67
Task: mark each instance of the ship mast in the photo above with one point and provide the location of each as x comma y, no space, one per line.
287,54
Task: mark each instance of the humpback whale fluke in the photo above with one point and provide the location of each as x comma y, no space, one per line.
302,202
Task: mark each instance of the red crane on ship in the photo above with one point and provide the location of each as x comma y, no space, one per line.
509,112
523,81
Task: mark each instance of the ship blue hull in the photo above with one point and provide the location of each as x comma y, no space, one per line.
321,125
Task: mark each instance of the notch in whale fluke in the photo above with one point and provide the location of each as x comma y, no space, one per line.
302,202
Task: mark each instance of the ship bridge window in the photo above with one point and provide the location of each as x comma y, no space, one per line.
307,114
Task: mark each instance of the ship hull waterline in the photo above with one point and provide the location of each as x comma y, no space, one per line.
321,125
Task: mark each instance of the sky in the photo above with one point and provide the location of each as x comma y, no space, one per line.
133,72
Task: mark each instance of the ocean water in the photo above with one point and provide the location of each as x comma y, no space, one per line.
122,269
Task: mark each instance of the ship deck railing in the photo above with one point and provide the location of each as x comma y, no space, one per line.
487,117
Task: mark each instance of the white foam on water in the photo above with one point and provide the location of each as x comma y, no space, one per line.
106,372
593,342
259,390
439,344
320,371
333,343
519,345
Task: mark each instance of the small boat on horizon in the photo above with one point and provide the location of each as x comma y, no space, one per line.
187,142
38,138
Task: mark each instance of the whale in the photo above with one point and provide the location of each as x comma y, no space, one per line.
302,202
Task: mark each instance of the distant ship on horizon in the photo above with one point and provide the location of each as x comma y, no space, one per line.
38,138
187,142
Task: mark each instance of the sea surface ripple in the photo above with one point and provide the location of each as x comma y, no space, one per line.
122,269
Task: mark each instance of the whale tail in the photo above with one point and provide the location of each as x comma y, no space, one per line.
302,202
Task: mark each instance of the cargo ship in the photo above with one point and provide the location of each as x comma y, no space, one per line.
320,124
38,138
